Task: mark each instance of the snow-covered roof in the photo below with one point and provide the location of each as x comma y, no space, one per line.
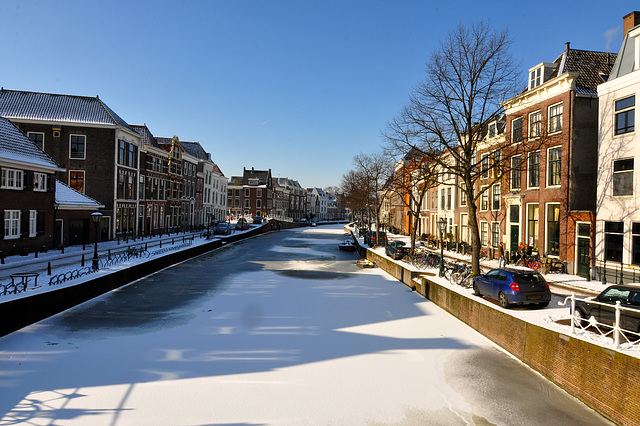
15,104
68,198
17,149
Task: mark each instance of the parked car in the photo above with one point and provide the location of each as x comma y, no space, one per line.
513,286
396,249
602,307
257,220
372,238
222,228
242,225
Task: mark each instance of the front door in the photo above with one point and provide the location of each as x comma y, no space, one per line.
583,230
514,240
583,257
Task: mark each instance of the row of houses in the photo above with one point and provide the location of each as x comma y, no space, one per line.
84,157
63,157
569,144
257,193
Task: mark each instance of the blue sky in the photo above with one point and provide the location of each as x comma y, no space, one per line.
296,86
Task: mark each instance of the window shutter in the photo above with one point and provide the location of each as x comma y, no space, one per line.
28,180
40,222
24,223
51,186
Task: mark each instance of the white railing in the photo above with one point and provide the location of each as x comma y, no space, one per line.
622,338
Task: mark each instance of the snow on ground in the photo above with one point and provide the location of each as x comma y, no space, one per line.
269,349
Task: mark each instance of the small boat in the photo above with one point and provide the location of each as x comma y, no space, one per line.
365,263
347,246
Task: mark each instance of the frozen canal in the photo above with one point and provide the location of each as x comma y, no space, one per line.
280,329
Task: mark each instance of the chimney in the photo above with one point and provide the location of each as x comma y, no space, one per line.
629,21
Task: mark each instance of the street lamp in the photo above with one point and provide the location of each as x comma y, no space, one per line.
442,225
96,217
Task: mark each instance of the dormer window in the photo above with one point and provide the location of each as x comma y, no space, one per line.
535,78
492,130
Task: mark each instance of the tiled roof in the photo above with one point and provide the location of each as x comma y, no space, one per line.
69,197
147,136
593,68
194,149
16,104
16,146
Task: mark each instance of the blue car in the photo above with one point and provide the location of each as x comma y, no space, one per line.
511,286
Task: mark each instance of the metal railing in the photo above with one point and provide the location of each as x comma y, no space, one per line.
621,338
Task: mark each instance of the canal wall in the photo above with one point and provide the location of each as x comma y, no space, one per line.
602,378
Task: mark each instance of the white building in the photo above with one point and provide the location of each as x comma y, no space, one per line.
618,204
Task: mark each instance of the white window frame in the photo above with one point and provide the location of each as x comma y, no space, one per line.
485,165
40,182
493,196
84,152
484,199
535,78
36,133
495,244
484,233
529,186
515,170
33,223
555,120
463,194
464,227
513,138
546,227
12,224
84,180
620,172
538,127
618,111
12,179
527,233
549,167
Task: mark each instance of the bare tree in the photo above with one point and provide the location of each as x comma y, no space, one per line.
467,76
363,186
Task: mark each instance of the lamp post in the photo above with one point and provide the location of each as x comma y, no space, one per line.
96,217
442,224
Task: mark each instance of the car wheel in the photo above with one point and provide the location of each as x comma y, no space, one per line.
543,304
502,299
476,290
578,317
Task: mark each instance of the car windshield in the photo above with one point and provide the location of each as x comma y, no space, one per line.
529,277
400,244
614,294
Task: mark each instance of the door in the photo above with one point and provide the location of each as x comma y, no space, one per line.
584,250
515,235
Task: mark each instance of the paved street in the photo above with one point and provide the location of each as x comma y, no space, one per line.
278,329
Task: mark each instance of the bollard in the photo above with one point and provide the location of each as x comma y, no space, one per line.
82,262
160,242
49,269
36,252
109,254
145,246
173,240
62,249
183,239
83,247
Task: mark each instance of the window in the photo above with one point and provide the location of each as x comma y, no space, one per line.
39,182
464,227
485,165
492,130
555,118
495,234
484,230
442,198
76,180
516,129
516,172
534,169
554,156
259,192
635,249
553,229
37,138
532,226
613,241
11,179
535,122
122,149
535,78
11,224
625,115
258,203
246,192
484,199
495,197
33,223
497,158
463,194
623,177
449,198
77,147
